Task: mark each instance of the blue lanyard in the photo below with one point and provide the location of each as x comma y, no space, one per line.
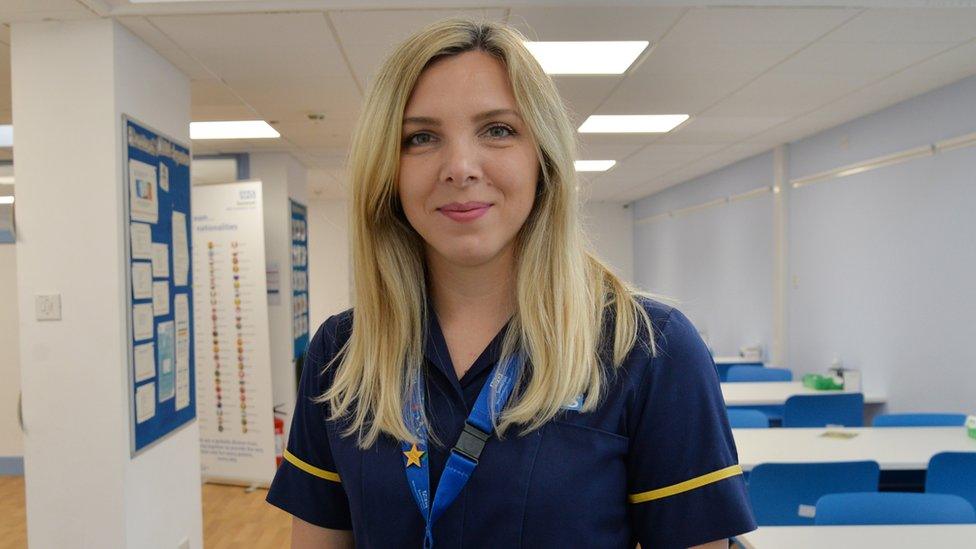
463,458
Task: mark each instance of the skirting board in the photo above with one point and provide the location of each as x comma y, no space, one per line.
11,466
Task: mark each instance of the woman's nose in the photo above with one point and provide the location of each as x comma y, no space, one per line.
462,164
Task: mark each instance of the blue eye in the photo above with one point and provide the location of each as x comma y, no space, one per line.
505,131
413,139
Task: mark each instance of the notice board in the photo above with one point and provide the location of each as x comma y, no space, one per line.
159,284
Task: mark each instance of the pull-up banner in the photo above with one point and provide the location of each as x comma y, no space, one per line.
233,347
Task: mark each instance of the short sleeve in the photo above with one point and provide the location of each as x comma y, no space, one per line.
685,486
307,484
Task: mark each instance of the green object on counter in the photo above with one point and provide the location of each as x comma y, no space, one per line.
971,426
822,383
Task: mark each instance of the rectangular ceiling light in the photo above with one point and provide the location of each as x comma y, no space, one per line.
594,165
6,136
6,180
6,200
586,57
241,129
632,123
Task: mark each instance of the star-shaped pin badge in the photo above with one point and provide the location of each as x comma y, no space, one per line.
413,456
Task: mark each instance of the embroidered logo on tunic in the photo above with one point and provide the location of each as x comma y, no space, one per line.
575,404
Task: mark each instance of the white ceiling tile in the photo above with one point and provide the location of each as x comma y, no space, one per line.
274,46
688,93
204,113
323,134
147,32
607,152
295,98
775,95
558,23
369,36
583,94
720,129
858,57
37,10
744,25
681,57
910,25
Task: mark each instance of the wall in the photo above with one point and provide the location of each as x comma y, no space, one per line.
83,490
880,263
610,229
717,263
883,261
11,440
329,260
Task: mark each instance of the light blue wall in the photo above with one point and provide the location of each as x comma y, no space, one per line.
885,261
882,264
718,263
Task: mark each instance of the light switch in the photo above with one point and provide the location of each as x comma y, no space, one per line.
47,307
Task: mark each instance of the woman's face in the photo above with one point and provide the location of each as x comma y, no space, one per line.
468,166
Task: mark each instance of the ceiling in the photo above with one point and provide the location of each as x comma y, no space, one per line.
751,77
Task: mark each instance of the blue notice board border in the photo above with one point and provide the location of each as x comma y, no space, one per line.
158,257
299,276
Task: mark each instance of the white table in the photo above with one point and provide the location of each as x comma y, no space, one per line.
934,536
775,393
894,448
734,360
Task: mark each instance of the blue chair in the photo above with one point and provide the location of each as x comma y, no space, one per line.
723,368
845,409
893,508
920,420
743,418
952,473
785,494
758,373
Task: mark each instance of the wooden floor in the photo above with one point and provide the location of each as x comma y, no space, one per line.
232,519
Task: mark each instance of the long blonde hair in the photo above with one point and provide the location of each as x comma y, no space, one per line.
563,291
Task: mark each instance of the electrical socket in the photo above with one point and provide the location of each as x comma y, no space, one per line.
47,307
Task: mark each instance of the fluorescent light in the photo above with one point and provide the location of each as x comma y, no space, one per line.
6,200
594,165
6,180
632,123
6,136
241,129
586,57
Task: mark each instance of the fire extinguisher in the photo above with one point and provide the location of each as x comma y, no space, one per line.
279,433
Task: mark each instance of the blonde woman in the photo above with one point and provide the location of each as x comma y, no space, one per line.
497,385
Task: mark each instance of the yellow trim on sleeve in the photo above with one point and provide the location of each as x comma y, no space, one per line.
687,485
311,469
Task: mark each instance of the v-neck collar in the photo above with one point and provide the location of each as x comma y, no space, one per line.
437,353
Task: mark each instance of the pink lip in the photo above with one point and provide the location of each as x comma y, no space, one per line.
463,212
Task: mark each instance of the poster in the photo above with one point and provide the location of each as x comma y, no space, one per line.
157,208
233,353
299,276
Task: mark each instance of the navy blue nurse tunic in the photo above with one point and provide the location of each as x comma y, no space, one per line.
655,463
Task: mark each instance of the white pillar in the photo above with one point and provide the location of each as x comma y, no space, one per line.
282,178
72,82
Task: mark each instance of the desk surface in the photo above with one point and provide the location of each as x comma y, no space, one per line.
894,448
934,536
775,393
734,360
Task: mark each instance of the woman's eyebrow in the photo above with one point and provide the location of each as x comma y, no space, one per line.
429,121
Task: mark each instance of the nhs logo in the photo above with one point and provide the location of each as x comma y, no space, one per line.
575,404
